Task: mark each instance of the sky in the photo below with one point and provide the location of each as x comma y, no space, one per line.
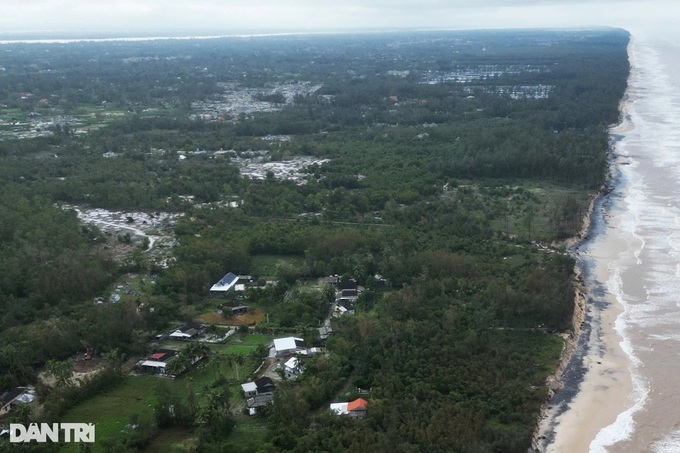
209,17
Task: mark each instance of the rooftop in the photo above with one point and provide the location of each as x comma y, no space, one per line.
225,282
288,343
357,404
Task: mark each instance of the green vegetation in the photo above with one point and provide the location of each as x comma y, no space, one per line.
112,411
440,170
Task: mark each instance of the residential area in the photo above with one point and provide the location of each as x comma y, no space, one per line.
241,346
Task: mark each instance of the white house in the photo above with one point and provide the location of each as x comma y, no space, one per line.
339,408
249,389
292,368
186,332
355,409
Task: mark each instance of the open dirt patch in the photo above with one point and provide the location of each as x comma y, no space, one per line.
254,316
82,368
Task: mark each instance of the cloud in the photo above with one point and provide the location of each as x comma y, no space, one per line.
260,15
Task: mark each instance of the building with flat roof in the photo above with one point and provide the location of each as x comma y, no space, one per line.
289,346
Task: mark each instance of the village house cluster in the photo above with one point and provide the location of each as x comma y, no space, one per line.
286,355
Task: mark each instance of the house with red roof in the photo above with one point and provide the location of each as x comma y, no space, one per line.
355,409
158,360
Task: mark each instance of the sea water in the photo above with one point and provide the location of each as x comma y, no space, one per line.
645,279
642,216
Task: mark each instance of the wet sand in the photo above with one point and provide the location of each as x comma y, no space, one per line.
606,386
597,379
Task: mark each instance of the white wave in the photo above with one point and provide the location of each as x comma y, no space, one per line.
631,222
669,444
645,280
615,288
668,337
624,426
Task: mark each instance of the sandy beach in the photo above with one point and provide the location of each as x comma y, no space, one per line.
597,381
606,386
619,389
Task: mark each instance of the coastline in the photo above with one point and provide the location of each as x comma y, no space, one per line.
592,384
546,423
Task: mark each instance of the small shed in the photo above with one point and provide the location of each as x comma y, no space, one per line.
237,310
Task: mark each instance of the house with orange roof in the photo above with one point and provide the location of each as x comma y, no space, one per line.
357,408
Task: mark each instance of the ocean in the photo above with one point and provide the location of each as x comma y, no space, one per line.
621,385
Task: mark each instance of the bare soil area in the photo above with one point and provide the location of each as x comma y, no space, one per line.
255,316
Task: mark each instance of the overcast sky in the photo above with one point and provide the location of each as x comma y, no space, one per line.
229,16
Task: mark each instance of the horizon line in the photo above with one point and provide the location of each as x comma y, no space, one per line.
63,37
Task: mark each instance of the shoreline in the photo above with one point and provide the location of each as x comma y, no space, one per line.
555,381
562,422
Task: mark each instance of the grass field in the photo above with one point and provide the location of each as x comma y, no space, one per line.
111,411
265,265
167,439
249,434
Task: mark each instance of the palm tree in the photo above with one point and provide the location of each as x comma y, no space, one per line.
195,352
239,360
114,359
61,370
215,361
229,358
21,414
177,365
235,359
215,415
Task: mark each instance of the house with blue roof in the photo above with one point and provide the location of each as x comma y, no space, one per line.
225,284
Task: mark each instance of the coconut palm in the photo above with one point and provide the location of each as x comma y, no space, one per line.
239,360
235,360
61,370
215,361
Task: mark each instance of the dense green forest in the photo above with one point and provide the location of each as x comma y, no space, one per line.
440,170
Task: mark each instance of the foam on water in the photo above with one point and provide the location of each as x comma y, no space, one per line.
669,444
645,279
624,426
630,223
